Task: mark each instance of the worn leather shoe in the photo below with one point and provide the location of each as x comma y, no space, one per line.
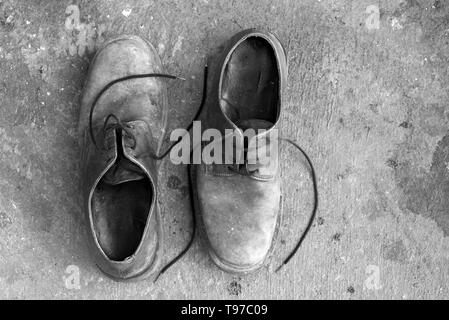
121,127
239,204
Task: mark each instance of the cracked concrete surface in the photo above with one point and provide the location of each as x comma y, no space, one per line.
367,98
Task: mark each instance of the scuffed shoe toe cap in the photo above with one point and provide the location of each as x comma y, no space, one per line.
240,217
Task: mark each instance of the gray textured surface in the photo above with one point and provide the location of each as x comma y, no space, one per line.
369,104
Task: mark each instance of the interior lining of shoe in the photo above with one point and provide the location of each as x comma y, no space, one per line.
120,212
250,85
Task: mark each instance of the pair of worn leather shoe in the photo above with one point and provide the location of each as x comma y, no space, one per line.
123,120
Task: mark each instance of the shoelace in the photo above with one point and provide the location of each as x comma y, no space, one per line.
120,125
110,84
315,203
117,125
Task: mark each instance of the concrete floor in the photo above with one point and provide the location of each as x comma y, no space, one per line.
367,98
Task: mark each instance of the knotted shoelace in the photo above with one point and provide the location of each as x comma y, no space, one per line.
118,124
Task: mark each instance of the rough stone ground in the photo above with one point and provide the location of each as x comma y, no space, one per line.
367,98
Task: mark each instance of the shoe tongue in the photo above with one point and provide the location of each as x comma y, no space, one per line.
252,149
123,169
254,124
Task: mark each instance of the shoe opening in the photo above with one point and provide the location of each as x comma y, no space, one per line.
250,82
120,206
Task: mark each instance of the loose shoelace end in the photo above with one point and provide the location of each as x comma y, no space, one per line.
279,268
157,277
